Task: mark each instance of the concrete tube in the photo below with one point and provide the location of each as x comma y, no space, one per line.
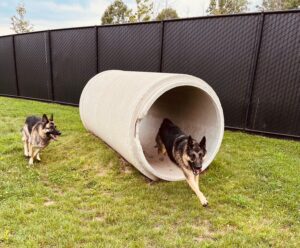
125,110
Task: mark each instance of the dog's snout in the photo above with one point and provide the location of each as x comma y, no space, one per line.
198,166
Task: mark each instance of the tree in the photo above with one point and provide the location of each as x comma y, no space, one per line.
144,11
166,14
279,5
18,22
221,7
117,12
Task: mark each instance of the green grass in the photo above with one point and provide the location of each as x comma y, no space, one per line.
83,195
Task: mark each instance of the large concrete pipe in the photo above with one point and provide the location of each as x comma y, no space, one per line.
125,110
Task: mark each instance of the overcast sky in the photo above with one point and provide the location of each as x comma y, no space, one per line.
50,14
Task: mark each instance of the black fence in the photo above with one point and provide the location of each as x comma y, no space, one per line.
251,60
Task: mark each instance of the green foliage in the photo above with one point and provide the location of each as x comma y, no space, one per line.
82,194
223,7
279,5
115,13
118,12
144,11
18,22
166,14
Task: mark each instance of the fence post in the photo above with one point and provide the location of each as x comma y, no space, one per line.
161,45
50,65
97,50
15,66
253,76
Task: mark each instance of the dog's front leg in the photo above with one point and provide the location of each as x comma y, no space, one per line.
29,149
161,149
193,182
25,139
26,148
34,153
31,155
200,194
38,156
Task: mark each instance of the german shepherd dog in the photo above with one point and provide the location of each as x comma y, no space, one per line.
37,134
184,151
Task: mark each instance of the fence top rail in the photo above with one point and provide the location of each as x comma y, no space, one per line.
151,22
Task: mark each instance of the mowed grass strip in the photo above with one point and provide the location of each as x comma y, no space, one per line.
83,194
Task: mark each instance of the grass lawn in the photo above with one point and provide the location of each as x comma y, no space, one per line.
83,195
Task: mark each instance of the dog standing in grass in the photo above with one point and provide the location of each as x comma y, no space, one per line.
37,134
184,151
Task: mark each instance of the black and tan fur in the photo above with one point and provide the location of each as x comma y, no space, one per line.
37,134
184,151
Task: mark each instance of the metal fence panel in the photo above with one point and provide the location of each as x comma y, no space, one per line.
7,67
32,58
276,93
219,50
74,59
130,47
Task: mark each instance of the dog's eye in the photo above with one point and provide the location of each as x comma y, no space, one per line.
193,157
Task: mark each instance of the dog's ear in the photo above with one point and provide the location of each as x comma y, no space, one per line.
190,141
202,143
51,117
45,118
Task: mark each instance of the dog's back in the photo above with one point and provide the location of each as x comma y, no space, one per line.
31,121
168,133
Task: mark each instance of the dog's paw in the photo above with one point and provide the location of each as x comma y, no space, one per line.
31,161
38,158
204,202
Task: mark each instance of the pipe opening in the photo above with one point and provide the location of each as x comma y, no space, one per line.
195,112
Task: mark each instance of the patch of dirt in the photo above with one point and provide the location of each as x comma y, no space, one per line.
226,230
125,167
209,234
101,172
49,203
55,189
203,238
99,219
58,191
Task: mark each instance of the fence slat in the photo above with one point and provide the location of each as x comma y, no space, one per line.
8,80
